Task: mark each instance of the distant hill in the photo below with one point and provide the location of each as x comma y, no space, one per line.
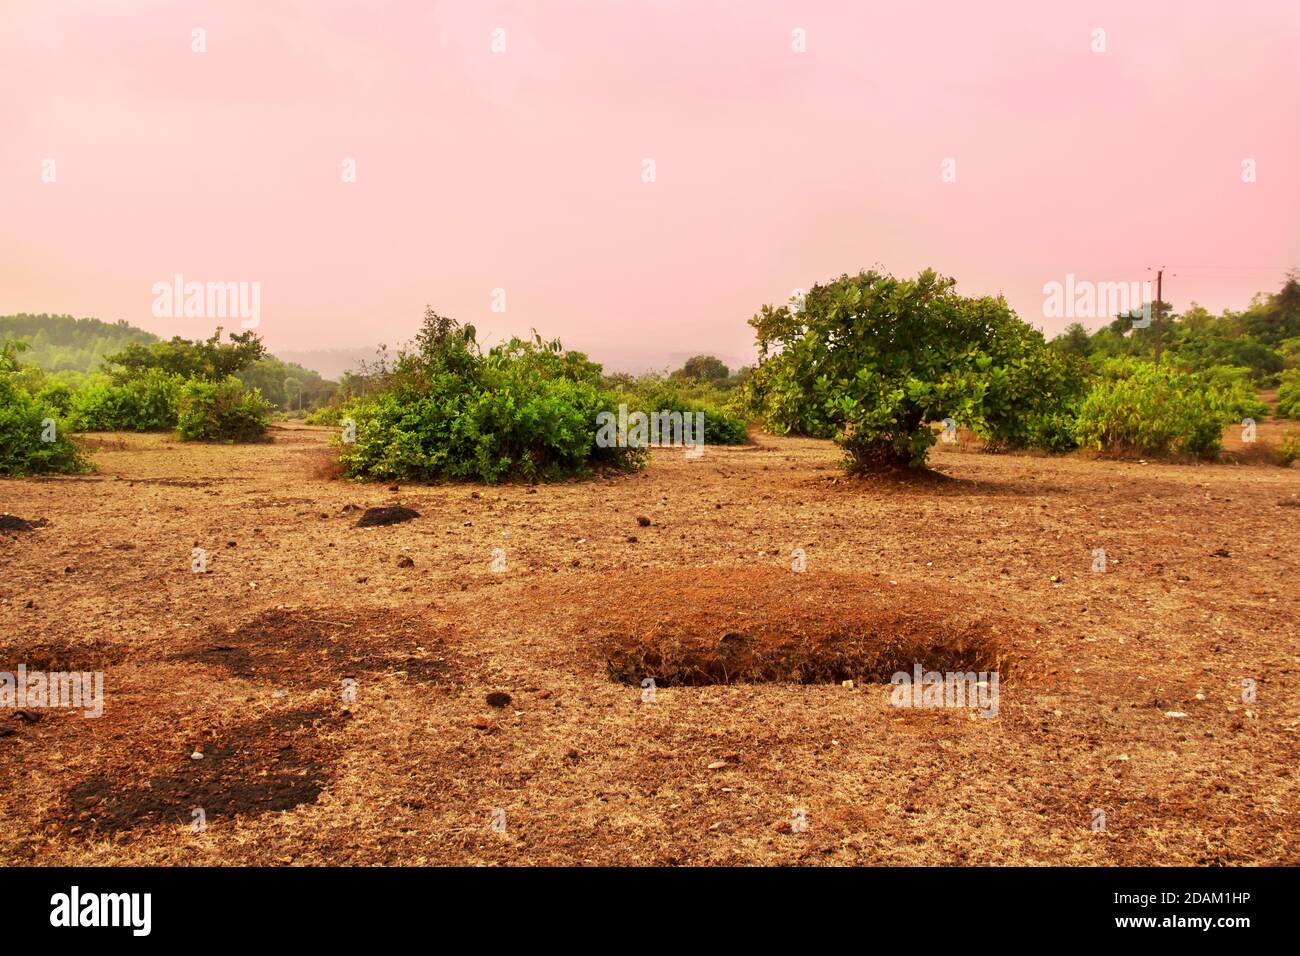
61,343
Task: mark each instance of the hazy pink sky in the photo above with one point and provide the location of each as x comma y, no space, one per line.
522,170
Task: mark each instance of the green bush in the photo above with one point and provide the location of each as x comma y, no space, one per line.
1237,391
1146,409
1288,451
650,394
449,412
57,395
871,361
26,422
144,404
326,415
1288,394
221,411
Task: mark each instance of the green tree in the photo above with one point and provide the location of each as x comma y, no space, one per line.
704,368
872,360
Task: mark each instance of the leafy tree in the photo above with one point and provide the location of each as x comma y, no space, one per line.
209,359
1073,341
704,368
872,360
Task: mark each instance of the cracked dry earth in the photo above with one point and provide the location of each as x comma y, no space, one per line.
751,726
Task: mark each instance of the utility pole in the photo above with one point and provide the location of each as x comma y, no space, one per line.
1160,308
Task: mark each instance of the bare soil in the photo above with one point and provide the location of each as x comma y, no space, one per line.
336,679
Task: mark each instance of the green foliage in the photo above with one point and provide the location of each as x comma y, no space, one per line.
704,368
1288,452
449,412
1236,391
870,360
210,359
326,415
26,421
652,393
221,411
74,350
1288,395
287,386
1265,339
1147,409
57,395
141,404
59,343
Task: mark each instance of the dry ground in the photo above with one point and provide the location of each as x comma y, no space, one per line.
246,663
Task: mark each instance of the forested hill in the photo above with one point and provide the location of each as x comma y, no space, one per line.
59,343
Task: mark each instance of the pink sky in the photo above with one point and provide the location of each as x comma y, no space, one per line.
522,170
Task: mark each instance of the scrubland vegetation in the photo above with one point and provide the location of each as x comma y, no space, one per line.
879,364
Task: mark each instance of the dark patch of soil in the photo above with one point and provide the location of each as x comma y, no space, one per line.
262,766
55,655
10,522
748,626
318,647
392,514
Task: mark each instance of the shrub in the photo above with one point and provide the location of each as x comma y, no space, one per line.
221,411
524,410
871,360
143,404
26,421
1289,451
653,394
57,395
1237,391
326,415
1288,395
1148,409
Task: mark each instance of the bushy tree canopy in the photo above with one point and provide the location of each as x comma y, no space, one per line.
872,361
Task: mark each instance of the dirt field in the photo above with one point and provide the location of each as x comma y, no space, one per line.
990,568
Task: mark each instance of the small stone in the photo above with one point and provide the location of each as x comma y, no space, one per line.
498,699
643,521
717,765
1174,713
405,561
196,755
